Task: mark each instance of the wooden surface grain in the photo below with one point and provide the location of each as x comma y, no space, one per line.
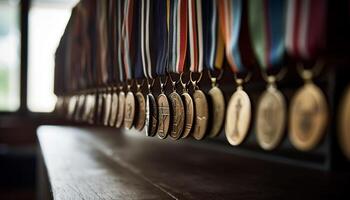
106,163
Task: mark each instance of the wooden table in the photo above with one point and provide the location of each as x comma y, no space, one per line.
107,163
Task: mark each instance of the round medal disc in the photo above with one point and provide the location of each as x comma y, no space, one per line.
129,110
107,108
72,106
92,107
178,115
201,115
79,108
114,109
151,115
163,116
308,117
99,107
121,109
238,117
189,117
344,125
87,108
218,111
270,118
141,114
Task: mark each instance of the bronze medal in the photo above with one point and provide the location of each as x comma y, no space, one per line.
178,115
114,109
129,110
92,108
163,116
344,125
217,110
189,117
270,118
308,117
87,107
151,115
201,114
72,106
121,109
141,114
238,117
107,108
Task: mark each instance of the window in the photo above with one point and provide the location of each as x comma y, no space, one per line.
9,56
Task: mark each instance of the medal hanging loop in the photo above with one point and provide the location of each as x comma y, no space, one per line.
195,82
163,84
308,74
183,84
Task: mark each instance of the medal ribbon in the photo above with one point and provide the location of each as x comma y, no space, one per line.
102,42
120,44
305,28
195,35
177,41
161,35
266,24
213,41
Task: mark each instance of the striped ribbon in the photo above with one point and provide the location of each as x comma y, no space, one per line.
305,28
195,35
177,42
212,39
128,37
103,41
161,12
266,24
120,49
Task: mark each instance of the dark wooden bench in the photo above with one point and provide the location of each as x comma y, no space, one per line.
107,163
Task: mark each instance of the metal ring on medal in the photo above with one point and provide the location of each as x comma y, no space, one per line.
178,115
107,108
121,109
238,117
189,117
201,116
141,114
270,118
308,117
114,109
218,111
129,110
343,121
151,115
163,116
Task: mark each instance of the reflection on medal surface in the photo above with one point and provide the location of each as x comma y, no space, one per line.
308,117
107,108
151,115
129,110
141,114
201,116
270,118
218,111
163,116
178,115
344,124
121,109
114,109
238,117
189,117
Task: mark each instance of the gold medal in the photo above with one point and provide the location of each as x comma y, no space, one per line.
238,116
308,115
141,114
107,107
201,114
92,108
344,125
87,107
178,115
129,110
270,117
217,109
121,109
114,109
163,116
189,110
151,115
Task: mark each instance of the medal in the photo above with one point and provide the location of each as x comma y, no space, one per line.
79,108
305,39
129,109
217,109
163,113
141,111
114,107
107,106
201,114
121,107
235,31
268,45
343,123
71,106
189,110
178,113
151,112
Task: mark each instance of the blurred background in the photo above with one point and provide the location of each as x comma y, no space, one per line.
30,31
